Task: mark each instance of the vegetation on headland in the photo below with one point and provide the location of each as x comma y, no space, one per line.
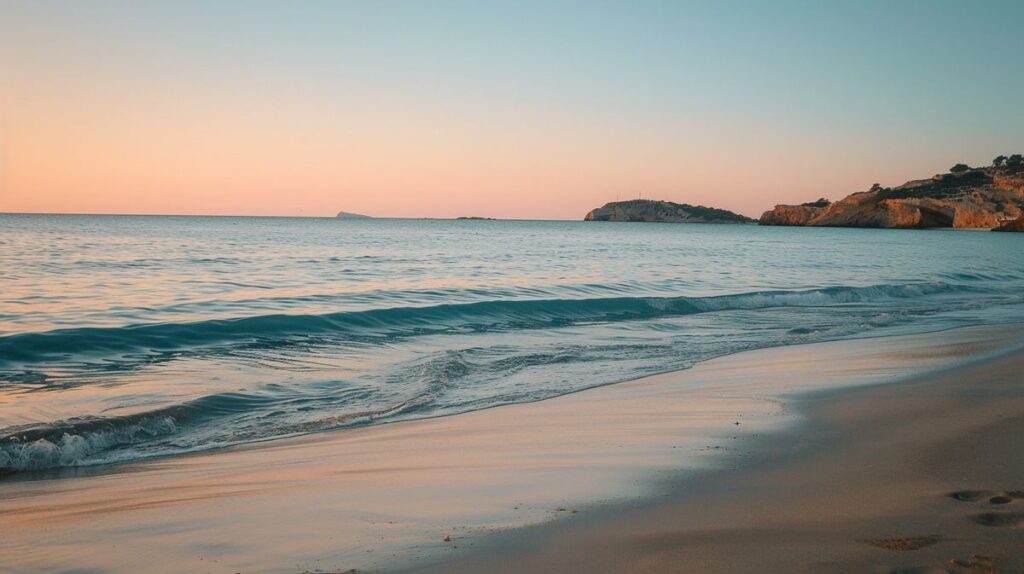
989,197
663,211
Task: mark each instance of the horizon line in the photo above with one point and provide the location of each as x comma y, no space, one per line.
364,217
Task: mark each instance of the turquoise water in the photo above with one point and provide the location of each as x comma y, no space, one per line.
124,338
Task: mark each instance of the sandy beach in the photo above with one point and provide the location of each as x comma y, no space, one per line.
922,476
801,458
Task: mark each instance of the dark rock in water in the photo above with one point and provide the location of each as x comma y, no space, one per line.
981,198
663,211
347,215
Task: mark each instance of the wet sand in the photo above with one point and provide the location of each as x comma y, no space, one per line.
922,476
653,475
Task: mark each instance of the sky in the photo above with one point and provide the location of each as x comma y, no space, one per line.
538,110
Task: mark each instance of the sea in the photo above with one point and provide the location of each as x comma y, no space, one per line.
125,338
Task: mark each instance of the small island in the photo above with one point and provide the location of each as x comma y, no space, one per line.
347,215
474,218
990,197
650,210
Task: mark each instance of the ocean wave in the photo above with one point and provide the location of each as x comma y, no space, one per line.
175,429
22,350
446,381
74,443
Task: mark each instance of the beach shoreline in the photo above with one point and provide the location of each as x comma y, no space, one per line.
514,488
917,476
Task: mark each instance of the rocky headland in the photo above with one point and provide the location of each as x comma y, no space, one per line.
663,211
987,197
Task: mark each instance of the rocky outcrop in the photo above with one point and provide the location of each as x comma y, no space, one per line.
790,215
663,211
794,214
1016,225
967,198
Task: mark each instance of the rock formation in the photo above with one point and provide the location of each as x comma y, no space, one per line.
984,197
1014,225
663,211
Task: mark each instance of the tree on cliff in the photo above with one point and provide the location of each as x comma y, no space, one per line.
999,161
959,168
1014,159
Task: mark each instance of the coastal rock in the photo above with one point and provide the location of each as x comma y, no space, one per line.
663,211
1015,225
790,215
981,198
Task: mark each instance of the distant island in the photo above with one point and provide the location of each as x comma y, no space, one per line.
347,215
990,197
476,218
663,211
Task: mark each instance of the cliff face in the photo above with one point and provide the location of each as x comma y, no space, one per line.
791,214
663,211
972,198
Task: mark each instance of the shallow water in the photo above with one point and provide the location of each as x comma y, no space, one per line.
130,337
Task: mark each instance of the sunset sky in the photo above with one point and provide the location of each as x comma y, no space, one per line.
503,109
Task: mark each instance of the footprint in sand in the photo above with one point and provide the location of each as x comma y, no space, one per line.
993,497
976,565
971,495
1000,519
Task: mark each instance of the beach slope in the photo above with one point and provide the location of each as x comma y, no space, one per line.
923,476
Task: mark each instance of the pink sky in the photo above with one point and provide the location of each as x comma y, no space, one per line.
158,154
404,110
